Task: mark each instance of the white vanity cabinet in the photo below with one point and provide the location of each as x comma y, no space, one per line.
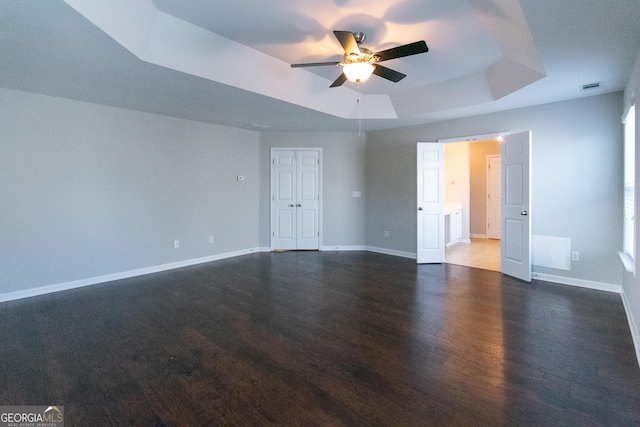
453,224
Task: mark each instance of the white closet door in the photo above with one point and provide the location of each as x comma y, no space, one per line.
308,199
283,200
295,199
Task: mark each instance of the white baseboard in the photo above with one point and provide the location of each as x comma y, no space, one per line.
343,248
10,296
478,236
411,255
635,332
600,286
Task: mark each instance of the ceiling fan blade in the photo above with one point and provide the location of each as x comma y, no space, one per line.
314,64
404,50
339,81
348,42
388,73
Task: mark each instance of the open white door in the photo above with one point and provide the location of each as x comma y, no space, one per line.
516,206
430,202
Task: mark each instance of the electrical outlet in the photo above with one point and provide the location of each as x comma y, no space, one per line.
210,239
386,234
575,256
176,244
240,177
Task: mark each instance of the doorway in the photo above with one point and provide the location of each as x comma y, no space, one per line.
515,167
472,194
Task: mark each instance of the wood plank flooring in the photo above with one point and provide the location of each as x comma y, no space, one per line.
326,339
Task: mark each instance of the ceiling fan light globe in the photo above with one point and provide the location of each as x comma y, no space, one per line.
358,72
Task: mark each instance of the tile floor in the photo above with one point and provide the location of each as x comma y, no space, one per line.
480,253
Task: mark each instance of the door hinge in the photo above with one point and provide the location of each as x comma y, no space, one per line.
488,195
489,225
273,161
318,234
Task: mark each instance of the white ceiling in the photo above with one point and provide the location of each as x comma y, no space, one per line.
228,62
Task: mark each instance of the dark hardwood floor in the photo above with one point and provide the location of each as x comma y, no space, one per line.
323,338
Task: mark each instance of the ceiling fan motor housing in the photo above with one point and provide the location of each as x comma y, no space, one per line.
359,36
365,56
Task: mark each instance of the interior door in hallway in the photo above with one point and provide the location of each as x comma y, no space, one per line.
295,199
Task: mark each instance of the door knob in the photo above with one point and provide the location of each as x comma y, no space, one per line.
292,205
420,208
299,205
524,213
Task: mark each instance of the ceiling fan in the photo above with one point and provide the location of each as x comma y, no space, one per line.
359,63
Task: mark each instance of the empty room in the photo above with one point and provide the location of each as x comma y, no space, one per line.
242,213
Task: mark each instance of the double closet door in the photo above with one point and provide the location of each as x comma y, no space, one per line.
295,199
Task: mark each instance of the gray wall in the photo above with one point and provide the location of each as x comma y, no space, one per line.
343,172
631,282
576,178
89,190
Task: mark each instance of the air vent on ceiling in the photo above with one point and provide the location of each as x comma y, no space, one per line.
591,86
